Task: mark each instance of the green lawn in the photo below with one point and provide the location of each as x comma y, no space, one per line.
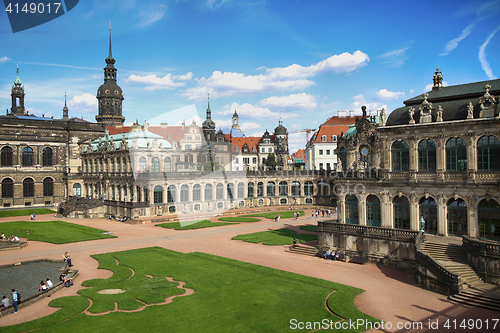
276,237
191,225
312,228
239,219
25,212
288,214
230,296
56,232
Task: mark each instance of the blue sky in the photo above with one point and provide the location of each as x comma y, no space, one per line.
307,59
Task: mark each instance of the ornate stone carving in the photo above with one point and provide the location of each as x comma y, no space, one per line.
411,112
470,111
437,79
487,104
382,117
425,110
439,116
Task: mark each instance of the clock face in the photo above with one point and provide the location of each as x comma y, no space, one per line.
364,151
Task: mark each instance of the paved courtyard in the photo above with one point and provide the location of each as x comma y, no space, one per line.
390,294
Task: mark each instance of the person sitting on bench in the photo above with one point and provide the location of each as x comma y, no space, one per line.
328,255
67,259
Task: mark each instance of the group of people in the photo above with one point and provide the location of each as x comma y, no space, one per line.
33,215
45,285
317,212
277,217
12,238
66,279
117,218
331,255
6,301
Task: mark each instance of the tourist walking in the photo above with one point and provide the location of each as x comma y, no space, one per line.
14,300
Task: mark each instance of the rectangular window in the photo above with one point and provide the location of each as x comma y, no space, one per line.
321,166
328,166
246,160
321,151
270,150
236,161
188,147
328,151
254,160
222,159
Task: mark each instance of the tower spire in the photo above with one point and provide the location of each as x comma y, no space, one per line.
65,109
110,40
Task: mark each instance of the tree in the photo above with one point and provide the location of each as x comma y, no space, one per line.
211,166
271,161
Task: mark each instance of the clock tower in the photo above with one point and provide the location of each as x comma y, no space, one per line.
109,94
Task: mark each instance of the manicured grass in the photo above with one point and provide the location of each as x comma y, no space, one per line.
25,212
191,225
276,237
56,232
313,228
230,296
288,214
239,219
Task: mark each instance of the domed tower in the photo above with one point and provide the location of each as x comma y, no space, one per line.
17,94
109,94
281,144
209,126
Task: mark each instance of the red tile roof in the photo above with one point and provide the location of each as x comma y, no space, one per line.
333,126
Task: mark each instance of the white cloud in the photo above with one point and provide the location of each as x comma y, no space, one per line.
395,58
482,56
153,82
4,59
452,44
293,77
85,103
360,100
152,13
212,3
301,101
384,94
248,126
255,112
189,121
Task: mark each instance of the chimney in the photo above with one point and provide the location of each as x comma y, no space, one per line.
351,113
163,125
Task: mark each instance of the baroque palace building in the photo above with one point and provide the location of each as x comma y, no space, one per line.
436,158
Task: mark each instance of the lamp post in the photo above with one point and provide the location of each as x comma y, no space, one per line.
422,224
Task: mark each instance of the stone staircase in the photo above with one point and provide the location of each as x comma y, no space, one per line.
475,292
303,249
452,258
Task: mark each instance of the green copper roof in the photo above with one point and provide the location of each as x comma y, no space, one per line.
17,81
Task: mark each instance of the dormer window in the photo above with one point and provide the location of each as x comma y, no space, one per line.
334,138
323,138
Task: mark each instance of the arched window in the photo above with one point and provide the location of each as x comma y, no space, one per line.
295,189
308,189
7,188
170,193
426,155
48,187
241,190
196,192
250,190
364,156
27,156
158,195
283,189
334,138
456,155
401,213
351,209
77,190
400,156
6,156
230,191
489,219
219,192
184,193
373,211
118,165
323,138
47,156
124,165
28,187
209,192
343,158
106,165
323,188
488,153
112,165
457,217
260,189
95,164
155,164
428,210
142,164
271,189
167,164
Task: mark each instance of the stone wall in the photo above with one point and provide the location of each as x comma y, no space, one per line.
484,257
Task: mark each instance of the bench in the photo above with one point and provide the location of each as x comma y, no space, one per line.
359,260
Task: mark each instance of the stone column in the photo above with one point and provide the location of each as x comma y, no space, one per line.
440,157
362,210
442,223
414,215
472,213
341,208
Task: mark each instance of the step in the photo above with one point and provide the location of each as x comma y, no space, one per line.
474,302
